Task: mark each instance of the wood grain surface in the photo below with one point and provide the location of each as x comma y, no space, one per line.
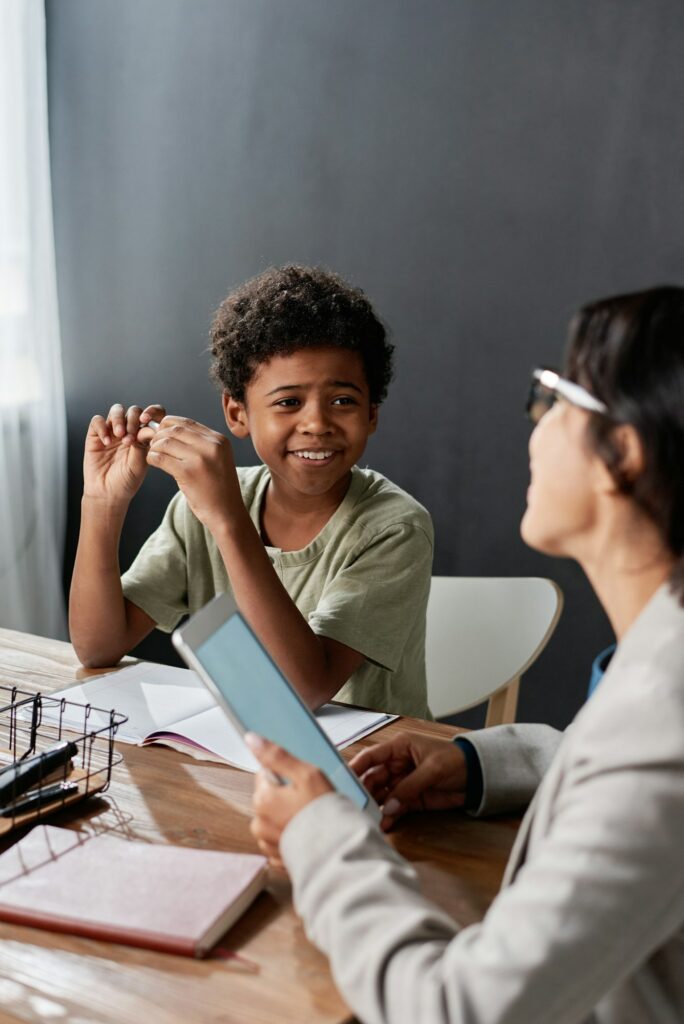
160,796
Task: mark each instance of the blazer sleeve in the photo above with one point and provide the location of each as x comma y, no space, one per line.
513,760
602,889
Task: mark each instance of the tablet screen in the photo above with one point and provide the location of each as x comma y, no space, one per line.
264,702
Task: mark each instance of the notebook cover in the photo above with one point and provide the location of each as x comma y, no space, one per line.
169,898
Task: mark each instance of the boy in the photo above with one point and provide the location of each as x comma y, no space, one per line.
329,563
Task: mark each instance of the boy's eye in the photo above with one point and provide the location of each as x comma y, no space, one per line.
293,403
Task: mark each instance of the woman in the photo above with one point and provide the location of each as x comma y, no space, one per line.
589,924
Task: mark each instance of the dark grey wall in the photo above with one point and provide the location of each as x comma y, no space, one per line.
479,168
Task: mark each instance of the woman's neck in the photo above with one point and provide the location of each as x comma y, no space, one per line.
624,600
625,567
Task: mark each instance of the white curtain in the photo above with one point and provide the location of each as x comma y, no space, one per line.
32,414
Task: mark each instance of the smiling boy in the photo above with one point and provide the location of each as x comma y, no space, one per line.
329,563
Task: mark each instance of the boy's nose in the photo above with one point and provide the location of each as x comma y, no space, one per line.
314,421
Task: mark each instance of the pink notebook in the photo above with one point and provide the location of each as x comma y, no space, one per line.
170,898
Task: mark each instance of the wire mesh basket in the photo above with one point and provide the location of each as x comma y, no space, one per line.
53,753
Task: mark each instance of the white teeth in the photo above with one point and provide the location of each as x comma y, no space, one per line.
316,455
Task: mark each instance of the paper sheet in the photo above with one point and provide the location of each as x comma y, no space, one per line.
166,704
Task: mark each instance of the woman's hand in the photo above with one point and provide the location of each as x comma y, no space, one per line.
276,805
412,773
201,462
115,463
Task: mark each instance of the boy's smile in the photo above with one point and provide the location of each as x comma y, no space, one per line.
319,456
309,417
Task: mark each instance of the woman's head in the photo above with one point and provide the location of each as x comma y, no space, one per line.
628,352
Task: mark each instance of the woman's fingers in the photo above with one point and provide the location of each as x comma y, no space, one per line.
437,783
376,777
264,831
379,781
267,839
395,750
429,800
410,790
281,762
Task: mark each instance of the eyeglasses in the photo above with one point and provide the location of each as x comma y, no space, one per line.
548,386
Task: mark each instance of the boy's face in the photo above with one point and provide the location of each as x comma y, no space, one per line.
309,417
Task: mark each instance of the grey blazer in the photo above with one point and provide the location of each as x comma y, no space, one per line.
589,923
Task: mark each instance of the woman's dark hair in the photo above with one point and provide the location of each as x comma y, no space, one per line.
285,309
629,352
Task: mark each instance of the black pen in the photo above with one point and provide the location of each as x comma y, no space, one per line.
21,776
40,798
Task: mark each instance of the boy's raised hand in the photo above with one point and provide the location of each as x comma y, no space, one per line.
412,773
201,462
114,463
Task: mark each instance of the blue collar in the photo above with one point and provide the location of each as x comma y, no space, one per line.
599,666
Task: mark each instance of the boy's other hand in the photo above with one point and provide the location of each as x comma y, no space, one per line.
412,773
115,464
201,462
275,806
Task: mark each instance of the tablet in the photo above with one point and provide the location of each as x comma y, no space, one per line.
252,691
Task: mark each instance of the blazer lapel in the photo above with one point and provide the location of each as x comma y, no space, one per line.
518,852
542,799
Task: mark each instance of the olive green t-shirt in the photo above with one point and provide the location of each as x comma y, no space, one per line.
364,581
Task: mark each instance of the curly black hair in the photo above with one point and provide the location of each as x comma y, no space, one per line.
285,309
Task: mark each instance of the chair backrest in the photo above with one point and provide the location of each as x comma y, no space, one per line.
482,634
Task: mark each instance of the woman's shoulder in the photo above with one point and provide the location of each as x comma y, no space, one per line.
637,711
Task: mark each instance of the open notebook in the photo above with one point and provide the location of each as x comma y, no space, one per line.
172,706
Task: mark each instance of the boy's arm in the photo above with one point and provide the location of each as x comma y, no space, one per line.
316,665
201,462
103,625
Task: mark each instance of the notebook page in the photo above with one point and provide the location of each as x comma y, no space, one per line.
152,696
212,731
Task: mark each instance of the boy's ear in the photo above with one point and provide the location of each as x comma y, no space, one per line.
236,415
373,419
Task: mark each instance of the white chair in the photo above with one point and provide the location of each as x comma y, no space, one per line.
482,634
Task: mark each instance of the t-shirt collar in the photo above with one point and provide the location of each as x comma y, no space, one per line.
356,488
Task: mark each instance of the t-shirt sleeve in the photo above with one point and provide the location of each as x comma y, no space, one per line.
157,580
371,605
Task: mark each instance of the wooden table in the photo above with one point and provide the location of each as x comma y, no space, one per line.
161,796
